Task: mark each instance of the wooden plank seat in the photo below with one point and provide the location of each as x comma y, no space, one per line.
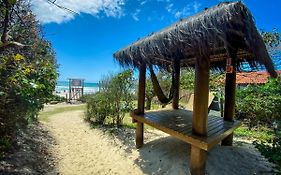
178,123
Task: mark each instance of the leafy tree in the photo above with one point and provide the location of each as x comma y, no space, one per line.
149,94
121,89
28,69
260,104
113,101
187,79
272,40
265,102
165,80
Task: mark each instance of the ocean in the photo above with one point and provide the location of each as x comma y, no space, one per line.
89,88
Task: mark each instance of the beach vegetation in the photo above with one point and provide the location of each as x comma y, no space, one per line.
271,149
113,101
28,69
264,101
165,80
259,106
44,115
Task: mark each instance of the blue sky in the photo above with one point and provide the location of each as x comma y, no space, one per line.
84,42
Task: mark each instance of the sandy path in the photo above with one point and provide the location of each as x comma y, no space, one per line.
81,150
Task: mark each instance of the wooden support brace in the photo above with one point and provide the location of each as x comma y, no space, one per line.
228,141
197,161
229,107
176,84
200,116
141,103
141,91
201,97
139,135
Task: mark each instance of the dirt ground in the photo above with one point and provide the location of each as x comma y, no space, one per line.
67,145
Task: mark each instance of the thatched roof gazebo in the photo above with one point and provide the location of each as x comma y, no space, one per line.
222,37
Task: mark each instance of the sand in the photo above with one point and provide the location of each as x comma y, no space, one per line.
79,149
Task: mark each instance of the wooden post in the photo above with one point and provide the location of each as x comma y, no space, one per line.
141,104
200,116
230,86
176,84
83,87
139,135
69,98
229,106
201,97
141,91
197,161
221,105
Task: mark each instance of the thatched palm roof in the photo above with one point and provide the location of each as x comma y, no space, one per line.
208,36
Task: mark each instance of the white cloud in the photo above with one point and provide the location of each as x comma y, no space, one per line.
196,6
188,10
163,1
143,2
169,7
47,13
135,15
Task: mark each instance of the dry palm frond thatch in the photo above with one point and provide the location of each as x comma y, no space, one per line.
208,36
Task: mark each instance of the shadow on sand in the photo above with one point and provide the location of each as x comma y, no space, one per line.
169,155
32,154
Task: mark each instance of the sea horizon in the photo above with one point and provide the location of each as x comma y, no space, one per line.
62,87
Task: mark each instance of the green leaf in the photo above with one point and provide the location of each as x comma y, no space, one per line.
12,2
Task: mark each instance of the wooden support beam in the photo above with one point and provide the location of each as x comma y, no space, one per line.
229,107
201,97
139,135
141,91
200,115
230,86
141,105
176,84
197,161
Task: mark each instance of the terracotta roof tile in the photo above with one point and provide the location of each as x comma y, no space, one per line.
260,77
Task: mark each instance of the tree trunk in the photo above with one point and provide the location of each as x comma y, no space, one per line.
148,103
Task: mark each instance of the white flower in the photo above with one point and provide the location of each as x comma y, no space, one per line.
33,85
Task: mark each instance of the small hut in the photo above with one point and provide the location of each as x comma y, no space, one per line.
223,38
76,89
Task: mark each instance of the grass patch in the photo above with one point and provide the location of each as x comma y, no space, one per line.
261,133
45,115
127,123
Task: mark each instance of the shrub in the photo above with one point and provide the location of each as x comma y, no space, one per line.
259,104
113,101
27,74
97,108
85,98
56,99
271,150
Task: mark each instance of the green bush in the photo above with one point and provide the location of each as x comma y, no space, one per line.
85,98
56,99
27,74
259,104
97,108
271,150
113,101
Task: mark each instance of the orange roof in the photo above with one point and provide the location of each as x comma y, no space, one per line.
260,77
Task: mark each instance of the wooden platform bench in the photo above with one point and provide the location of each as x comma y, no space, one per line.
178,123
204,44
